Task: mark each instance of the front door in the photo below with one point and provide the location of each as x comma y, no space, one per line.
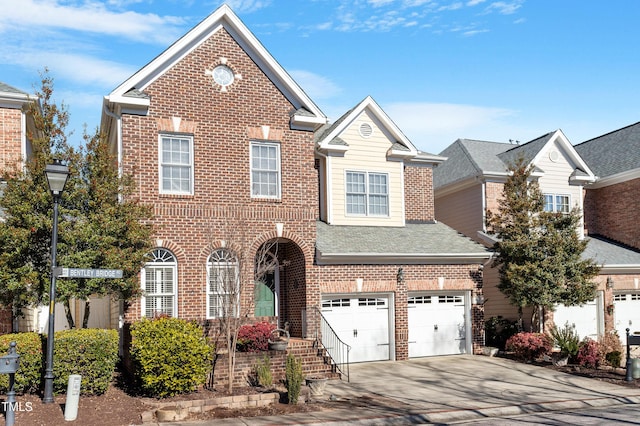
265,296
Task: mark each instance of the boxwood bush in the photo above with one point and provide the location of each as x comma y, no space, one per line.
90,352
170,356
29,347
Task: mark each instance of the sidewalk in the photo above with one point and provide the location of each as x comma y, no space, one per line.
445,390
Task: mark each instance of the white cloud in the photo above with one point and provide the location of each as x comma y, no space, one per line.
247,6
434,126
90,17
505,7
314,85
475,2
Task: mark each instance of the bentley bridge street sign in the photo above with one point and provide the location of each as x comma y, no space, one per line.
88,273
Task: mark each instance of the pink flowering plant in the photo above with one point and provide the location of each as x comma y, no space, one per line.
588,353
255,337
529,346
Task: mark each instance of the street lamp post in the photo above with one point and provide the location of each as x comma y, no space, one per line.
57,174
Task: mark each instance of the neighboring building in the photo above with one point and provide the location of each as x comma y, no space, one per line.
469,185
14,146
611,212
235,156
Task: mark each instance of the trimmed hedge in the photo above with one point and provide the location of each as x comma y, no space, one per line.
29,347
90,352
170,356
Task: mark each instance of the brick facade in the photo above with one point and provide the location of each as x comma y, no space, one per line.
418,193
10,137
611,211
221,211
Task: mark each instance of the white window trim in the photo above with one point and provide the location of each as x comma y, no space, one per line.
278,171
555,205
366,194
191,165
143,285
210,293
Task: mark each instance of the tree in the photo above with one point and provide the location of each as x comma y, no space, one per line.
233,273
539,253
101,224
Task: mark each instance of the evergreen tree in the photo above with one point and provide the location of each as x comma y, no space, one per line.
539,253
101,224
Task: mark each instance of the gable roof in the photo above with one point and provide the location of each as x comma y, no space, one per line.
424,243
615,156
614,257
471,159
131,94
328,139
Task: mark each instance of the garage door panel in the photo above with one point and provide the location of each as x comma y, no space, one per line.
437,325
626,313
363,324
584,318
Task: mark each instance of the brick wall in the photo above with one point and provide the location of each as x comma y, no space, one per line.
221,209
612,212
418,193
10,137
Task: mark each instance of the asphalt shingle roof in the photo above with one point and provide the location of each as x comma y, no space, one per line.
606,252
613,153
411,240
9,89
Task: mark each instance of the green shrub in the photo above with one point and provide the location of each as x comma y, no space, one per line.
613,358
294,378
262,369
609,346
29,347
171,356
497,330
89,352
566,339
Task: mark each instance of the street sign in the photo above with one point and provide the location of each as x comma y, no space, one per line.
88,273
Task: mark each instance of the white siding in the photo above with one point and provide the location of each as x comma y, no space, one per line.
366,155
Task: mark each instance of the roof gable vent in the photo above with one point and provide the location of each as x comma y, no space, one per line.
366,130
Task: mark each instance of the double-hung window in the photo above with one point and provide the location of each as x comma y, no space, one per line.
223,285
265,169
159,284
556,203
176,164
367,193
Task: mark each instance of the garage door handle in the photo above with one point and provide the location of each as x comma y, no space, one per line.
435,327
355,333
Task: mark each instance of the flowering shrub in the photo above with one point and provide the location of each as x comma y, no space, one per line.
610,349
588,355
529,346
254,337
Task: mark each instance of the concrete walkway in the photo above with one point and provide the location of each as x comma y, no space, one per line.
448,389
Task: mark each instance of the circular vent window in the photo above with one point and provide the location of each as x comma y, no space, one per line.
366,130
554,156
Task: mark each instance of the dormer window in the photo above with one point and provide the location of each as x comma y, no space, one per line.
367,194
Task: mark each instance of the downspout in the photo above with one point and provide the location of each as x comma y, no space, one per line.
118,120
327,187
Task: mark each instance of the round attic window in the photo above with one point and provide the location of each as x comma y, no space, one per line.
554,156
366,130
223,75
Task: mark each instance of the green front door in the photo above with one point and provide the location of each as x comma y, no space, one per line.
265,297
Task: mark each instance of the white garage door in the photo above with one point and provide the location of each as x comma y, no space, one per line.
362,323
585,318
626,313
437,324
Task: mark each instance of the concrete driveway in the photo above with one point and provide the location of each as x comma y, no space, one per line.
446,389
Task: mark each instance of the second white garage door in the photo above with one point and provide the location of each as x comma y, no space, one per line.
437,324
627,313
362,323
588,319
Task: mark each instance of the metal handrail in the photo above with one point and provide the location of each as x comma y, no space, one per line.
337,350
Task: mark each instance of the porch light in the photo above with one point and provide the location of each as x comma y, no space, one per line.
609,282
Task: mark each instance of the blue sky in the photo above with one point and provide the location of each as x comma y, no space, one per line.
441,69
